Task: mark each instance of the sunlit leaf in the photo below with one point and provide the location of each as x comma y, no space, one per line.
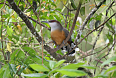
52,64
59,63
13,55
72,72
38,67
5,72
110,69
30,51
109,60
12,68
73,66
73,4
82,11
9,31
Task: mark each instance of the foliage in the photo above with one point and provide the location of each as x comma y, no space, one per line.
21,55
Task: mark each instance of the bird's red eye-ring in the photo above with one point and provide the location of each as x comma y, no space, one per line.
52,21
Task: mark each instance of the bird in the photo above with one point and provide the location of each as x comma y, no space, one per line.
59,34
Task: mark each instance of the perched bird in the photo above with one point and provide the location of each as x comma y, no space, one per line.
59,34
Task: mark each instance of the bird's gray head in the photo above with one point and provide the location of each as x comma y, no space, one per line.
54,24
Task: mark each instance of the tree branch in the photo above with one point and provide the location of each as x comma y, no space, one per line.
30,26
87,19
73,25
51,51
39,23
93,30
102,27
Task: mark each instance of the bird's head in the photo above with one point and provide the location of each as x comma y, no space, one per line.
54,24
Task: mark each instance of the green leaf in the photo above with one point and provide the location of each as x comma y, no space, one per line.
108,24
20,54
110,69
21,70
52,71
5,72
72,72
51,17
109,60
1,73
52,64
38,67
57,17
38,1
73,66
83,37
9,31
59,63
112,74
58,9
53,4
38,75
73,5
38,60
30,51
101,76
1,5
13,55
16,38
12,68
59,52
82,11
98,17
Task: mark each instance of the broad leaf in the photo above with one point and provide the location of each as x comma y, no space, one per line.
12,68
59,63
72,72
9,31
30,51
73,66
38,67
52,64
110,69
109,60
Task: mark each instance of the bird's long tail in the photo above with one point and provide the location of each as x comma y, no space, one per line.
69,48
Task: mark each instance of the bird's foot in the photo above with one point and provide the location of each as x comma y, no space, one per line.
57,46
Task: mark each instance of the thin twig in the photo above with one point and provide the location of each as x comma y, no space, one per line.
101,30
68,8
41,33
2,38
87,19
73,25
95,52
39,23
3,5
93,31
33,31
58,12
106,54
102,26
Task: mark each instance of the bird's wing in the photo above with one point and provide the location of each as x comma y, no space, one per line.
66,33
